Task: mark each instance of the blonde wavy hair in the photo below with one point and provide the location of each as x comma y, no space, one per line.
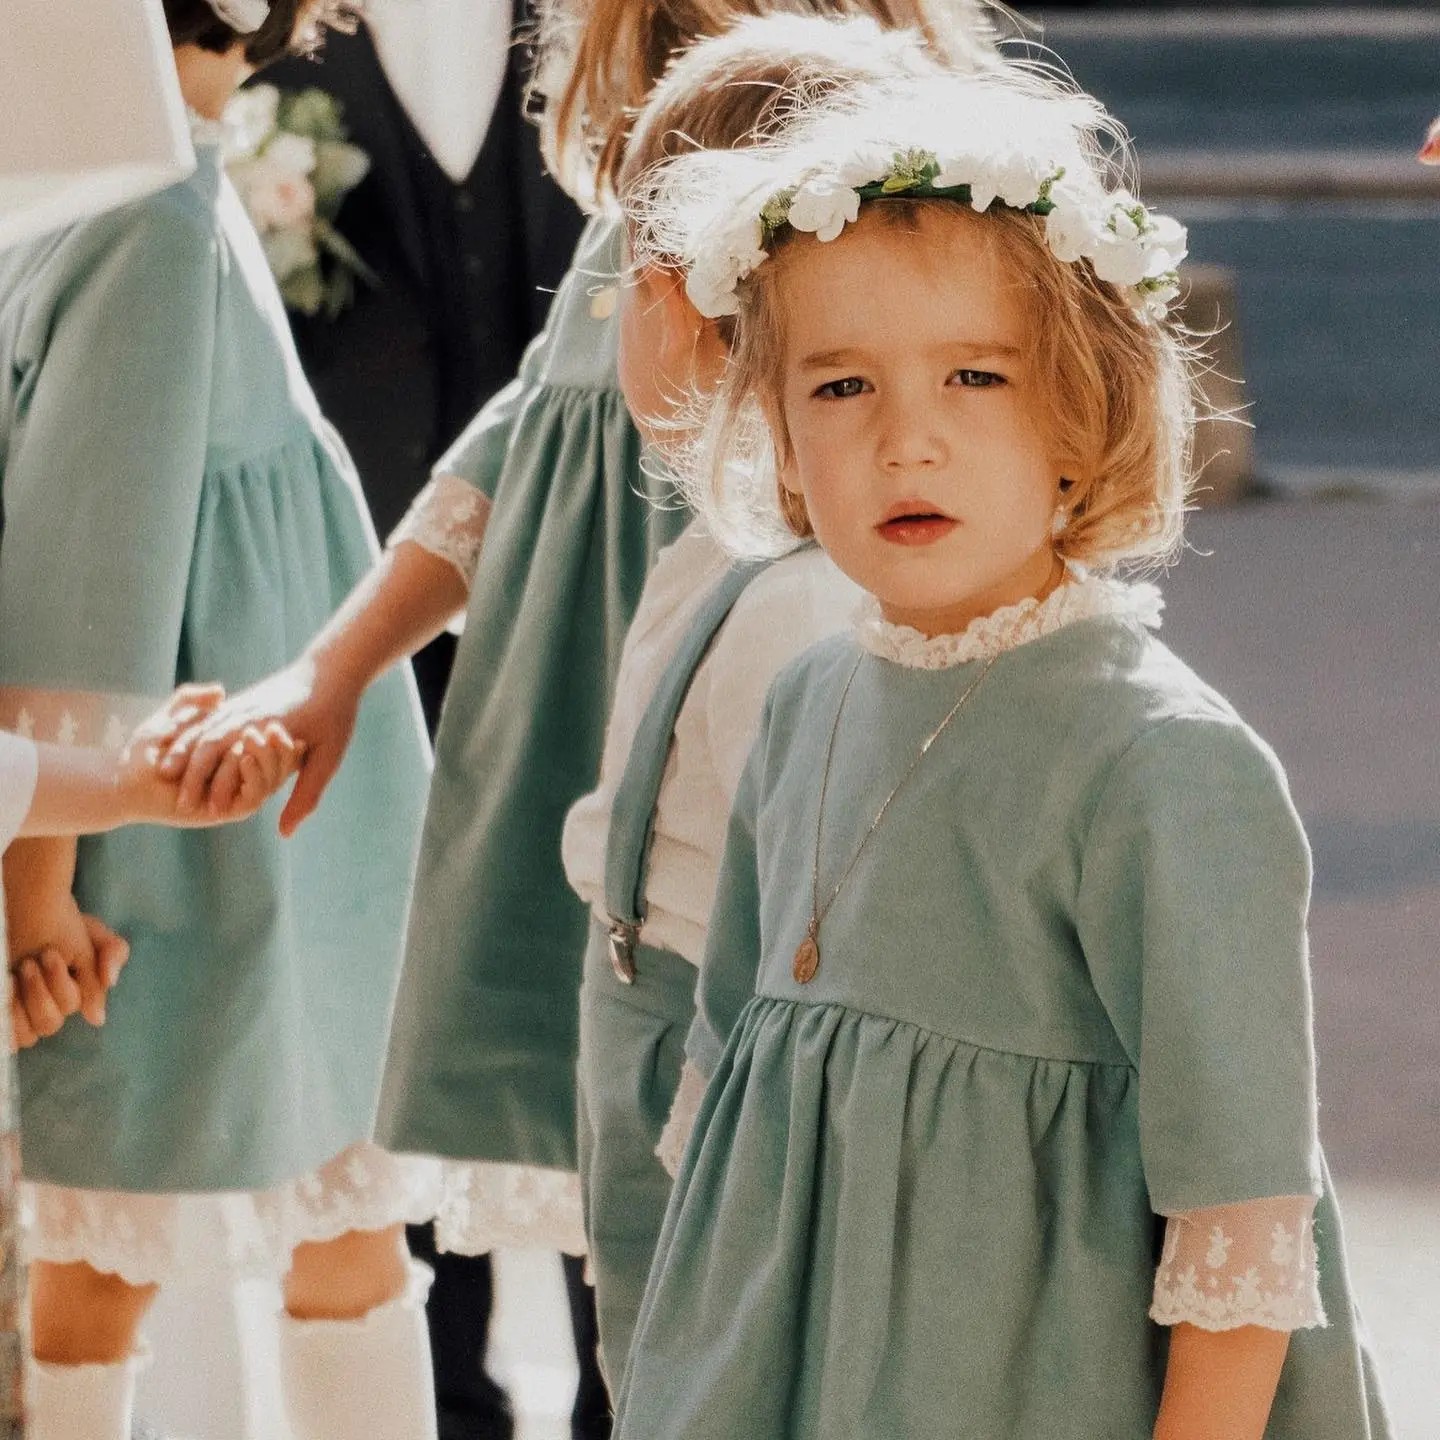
598,61
1117,389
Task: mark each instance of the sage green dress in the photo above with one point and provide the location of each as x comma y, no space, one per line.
482,1059
176,509
1063,992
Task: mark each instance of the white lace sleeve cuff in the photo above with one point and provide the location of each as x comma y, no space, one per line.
448,519
686,1106
1251,1263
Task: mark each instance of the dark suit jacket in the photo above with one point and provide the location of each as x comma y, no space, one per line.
466,273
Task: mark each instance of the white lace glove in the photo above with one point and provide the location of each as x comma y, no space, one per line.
447,518
1251,1263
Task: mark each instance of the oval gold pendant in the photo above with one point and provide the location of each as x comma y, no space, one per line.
807,960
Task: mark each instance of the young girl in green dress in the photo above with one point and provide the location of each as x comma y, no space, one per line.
176,509
643,848
541,524
1010,1121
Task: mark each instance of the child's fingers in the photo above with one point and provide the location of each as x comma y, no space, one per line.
319,767
280,757
44,1014
225,783
59,981
199,696
112,951
253,789
204,760
22,1033
176,756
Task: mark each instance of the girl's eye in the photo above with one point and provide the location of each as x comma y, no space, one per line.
977,379
842,389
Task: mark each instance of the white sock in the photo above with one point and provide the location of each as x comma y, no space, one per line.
369,1378
80,1402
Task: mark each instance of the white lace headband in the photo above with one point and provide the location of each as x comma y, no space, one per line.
1128,245
244,17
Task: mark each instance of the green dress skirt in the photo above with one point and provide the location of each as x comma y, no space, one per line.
482,1059
176,509
1062,993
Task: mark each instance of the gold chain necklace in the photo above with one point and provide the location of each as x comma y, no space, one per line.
807,955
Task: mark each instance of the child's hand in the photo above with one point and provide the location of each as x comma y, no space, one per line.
257,763
43,995
189,705
316,711
62,962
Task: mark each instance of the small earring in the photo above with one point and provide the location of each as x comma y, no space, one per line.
1059,522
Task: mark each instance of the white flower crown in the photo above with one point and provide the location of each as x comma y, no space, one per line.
1128,245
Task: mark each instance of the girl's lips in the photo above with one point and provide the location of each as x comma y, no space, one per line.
916,529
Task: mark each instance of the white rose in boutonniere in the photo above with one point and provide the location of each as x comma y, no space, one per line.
293,167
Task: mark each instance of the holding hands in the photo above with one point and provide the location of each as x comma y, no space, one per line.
308,702
250,758
64,962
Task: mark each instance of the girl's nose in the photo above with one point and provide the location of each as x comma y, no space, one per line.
908,440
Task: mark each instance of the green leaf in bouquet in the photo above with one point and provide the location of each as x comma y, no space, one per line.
339,168
304,290
339,292
334,243
313,112
289,252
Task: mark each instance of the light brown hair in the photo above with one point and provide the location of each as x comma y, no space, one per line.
600,59
1115,397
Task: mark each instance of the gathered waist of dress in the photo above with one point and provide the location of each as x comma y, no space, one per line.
1035,1048
264,451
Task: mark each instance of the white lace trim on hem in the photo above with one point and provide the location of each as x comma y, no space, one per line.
487,1204
681,1122
1084,597
448,519
231,1235
1251,1263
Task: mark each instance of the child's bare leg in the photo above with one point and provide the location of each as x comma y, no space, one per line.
82,1316
345,1278
84,1328
355,1346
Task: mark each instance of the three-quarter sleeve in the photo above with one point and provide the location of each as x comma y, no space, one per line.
478,455
105,463
448,519
1193,899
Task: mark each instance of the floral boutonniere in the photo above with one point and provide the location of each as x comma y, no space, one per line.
288,157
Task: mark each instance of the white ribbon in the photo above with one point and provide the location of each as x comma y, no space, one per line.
244,17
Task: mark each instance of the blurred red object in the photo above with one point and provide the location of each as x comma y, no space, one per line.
1430,150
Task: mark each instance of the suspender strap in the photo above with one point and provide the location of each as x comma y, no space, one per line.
632,819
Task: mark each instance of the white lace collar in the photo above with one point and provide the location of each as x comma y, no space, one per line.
203,130
1083,598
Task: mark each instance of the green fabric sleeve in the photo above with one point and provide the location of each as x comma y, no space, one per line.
732,947
1192,910
478,456
103,473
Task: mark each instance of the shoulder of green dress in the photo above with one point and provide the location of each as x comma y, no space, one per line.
162,245
811,683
